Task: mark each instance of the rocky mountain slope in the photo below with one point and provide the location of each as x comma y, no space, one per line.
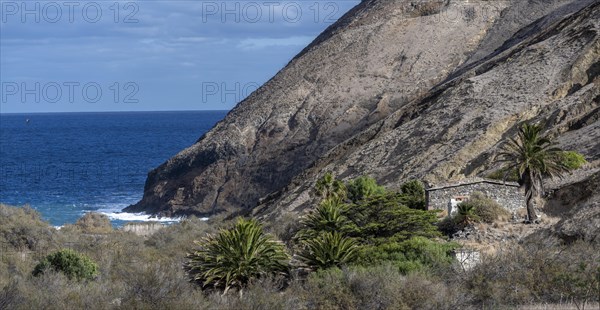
397,90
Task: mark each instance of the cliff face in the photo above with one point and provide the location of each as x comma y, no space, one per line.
396,90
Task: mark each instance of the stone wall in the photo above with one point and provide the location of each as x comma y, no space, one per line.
506,194
143,229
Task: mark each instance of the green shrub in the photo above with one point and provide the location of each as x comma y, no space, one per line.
572,160
235,257
384,216
72,264
415,254
362,188
378,223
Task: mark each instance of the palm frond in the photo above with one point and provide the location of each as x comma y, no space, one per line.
234,257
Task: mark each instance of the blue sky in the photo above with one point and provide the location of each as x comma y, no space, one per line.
80,56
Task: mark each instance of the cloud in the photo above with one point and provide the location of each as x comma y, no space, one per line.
168,50
261,43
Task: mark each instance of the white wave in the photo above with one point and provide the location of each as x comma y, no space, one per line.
138,217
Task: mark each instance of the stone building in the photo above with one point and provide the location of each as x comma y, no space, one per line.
447,197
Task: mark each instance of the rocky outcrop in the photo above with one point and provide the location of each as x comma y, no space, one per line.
578,206
396,90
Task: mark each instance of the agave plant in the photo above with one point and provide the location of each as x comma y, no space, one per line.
466,214
329,249
235,257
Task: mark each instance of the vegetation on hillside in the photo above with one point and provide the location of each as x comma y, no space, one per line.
372,226
355,263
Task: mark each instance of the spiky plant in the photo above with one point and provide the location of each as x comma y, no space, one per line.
329,187
329,249
235,257
533,156
466,214
327,217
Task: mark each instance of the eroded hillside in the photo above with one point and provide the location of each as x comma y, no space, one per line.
548,73
397,90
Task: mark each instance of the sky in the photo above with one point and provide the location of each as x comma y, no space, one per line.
107,55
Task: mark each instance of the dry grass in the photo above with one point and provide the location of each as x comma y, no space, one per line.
146,273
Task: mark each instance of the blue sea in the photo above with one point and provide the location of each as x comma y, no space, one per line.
67,164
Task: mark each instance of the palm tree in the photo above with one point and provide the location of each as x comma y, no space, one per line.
329,249
235,257
533,156
329,187
327,217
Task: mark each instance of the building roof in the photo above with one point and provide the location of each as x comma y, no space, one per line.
472,181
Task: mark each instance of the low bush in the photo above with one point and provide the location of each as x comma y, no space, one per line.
22,229
415,254
572,160
93,223
487,209
159,285
537,272
72,264
376,287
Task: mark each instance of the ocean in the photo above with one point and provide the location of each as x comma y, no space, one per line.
66,164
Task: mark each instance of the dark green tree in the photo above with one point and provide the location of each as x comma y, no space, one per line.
384,216
363,187
413,193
